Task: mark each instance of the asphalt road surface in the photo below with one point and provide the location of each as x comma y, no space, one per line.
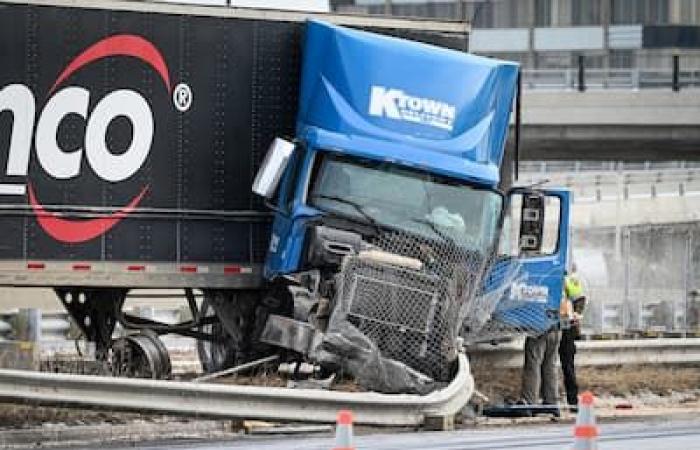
651,434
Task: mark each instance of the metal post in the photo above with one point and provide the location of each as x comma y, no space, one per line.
618,212
675,82
635,79
626,282
605,10
28,325
461,10
687,276
518,124
581,73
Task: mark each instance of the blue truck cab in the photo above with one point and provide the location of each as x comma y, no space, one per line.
408,137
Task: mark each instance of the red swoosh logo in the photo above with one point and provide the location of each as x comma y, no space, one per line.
77,231
118,45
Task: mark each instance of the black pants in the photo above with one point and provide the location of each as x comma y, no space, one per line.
567,350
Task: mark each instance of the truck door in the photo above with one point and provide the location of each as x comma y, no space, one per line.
537,234
278,181
286,239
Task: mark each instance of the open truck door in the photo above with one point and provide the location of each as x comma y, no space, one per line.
536,239
277,182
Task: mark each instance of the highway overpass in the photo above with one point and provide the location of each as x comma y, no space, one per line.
610,124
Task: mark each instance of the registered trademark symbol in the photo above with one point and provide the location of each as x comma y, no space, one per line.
182,97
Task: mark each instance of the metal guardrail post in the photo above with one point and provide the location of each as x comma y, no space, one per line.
581,73
23,352
28,325
635,79
687,275
626,289
675,80
5,328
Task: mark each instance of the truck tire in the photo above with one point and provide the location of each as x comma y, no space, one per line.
215,355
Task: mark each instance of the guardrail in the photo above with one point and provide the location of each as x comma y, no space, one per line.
232,401
653,312
599,353
30,324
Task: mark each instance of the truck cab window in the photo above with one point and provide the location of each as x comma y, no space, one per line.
407,200
510,234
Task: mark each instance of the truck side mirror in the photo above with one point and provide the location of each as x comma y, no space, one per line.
270,173
531,222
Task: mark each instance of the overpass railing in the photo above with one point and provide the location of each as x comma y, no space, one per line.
611,183
533,167
572,78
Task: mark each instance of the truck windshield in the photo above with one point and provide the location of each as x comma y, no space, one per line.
385,194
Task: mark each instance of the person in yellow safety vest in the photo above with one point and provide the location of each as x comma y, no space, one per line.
571,313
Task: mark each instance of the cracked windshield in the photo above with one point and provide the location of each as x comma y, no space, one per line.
407,200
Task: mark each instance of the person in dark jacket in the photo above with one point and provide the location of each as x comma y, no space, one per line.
571,312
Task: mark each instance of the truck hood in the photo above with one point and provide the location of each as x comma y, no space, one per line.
416,104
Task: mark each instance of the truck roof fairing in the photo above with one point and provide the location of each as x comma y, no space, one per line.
413,103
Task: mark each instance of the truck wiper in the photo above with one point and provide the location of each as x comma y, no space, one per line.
372,221
435,229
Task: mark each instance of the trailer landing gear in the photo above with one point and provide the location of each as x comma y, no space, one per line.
141,354
95,312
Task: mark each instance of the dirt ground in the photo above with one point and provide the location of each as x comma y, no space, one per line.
23,416
611,381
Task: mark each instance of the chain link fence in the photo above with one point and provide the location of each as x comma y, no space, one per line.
640,279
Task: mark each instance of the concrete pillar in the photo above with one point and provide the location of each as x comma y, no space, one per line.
675,15
565,13
555,13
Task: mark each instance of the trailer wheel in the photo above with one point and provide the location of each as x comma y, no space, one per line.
219,353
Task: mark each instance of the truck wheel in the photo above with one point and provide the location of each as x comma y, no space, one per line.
220,353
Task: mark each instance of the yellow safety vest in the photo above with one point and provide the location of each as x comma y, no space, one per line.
572,287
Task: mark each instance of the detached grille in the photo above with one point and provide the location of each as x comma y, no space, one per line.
399,310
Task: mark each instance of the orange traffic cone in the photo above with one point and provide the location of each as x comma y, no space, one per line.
586,431
343,431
